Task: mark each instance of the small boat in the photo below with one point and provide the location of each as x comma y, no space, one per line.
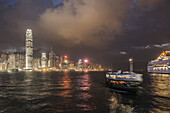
128,81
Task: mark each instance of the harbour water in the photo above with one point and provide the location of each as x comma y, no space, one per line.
79,92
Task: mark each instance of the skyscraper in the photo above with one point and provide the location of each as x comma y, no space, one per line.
12,61
29,49
43,60
51,59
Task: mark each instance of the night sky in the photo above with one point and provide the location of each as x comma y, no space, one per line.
105,31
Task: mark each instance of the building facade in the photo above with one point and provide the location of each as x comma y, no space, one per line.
52,62
29,49
43,60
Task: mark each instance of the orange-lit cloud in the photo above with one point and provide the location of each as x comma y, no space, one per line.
86,21
76,22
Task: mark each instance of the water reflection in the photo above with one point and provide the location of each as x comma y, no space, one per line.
65,86
75,92
160,84
84,85
154,99
84,82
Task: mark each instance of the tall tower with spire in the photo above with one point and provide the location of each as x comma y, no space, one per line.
29,49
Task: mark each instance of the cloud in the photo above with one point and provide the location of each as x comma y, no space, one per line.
123,52
148,3
142,47
85,21
165,45
57,2
162,45
9,2
147,47
75,22
88,22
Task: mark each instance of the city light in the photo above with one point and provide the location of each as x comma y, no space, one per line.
86,61
130,60
47,61
164,53
66,57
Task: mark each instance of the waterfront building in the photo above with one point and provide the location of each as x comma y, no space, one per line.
57,62
36,63
20,60
3,66
43,60
71,67
61,62
3,61
29,49
86,65
100,66
51,62
11,61
16,61
80,65
65,63
3,56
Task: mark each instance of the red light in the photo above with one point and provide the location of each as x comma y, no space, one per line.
86,71
65,57
164,53
85,61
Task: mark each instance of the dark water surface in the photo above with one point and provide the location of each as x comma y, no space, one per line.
78,92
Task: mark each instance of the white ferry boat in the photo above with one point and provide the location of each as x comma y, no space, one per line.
128,81
161,64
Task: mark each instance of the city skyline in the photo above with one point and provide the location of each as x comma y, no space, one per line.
84,56
109,34
28,60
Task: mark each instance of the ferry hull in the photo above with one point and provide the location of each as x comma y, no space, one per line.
124,88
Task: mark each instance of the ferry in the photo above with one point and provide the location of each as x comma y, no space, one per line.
128,81
161,64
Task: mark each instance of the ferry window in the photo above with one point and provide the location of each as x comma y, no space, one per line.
133,76
168,54
107,75
113,76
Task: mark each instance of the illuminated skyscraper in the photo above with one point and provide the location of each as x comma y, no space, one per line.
43,60
80,65
29,49
51,59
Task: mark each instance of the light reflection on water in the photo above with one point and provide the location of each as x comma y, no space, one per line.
160,85
155,97
83,88
75,92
